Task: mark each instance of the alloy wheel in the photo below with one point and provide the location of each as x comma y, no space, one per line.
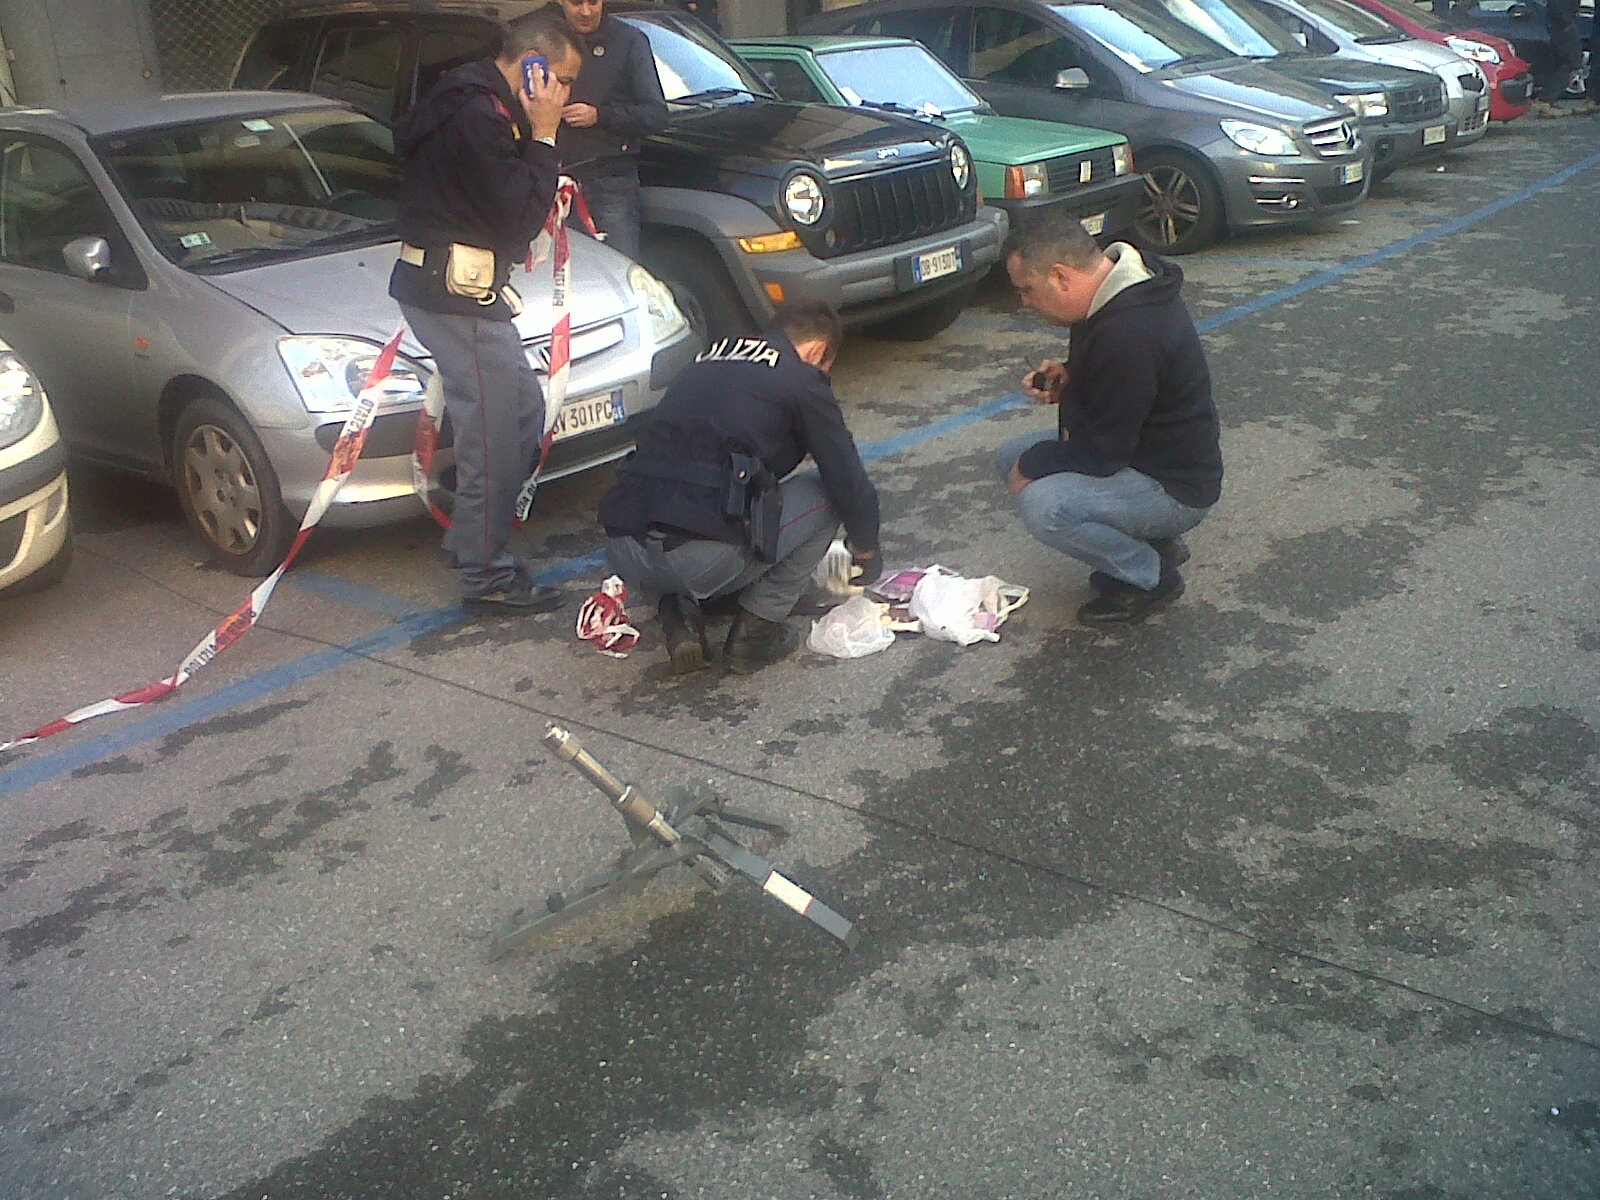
222,489
1172,204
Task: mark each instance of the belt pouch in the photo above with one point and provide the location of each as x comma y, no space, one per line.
469,271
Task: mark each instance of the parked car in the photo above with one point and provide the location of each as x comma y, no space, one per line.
1398,106
1344,28
35,524
1510,77
201,283
1224,143
748,201
1523,23
1021,164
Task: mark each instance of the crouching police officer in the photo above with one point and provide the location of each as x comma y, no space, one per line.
699,510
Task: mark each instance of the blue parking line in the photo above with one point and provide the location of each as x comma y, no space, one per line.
169,720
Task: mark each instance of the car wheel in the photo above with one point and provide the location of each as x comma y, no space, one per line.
1181,210
701,287
229,490
926,322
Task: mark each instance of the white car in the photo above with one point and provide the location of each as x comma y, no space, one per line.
35,526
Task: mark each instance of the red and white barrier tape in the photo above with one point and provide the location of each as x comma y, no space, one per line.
552,243
603,619
352,439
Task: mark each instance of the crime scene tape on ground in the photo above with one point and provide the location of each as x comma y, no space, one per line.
551,243
341,461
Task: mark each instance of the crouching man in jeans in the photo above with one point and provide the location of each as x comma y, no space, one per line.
698,510
1136,461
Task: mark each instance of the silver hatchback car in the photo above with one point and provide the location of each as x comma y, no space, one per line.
201,283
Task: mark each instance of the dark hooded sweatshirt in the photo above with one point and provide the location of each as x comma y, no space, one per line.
472,173
619,78
1138,395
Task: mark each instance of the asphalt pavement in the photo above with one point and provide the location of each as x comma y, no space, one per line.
1290,893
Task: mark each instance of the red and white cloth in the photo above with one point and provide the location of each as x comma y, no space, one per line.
603,619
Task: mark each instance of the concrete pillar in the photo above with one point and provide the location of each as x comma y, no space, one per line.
66,50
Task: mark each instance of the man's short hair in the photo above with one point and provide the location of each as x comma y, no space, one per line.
811,321
1046,237
538,32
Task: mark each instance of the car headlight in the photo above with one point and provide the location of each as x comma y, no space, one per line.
1365,104
960,165
21,400
1122,157
329,373
1259,139
1030,179
666,318
804,198
1477,51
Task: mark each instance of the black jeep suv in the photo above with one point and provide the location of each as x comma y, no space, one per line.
748,200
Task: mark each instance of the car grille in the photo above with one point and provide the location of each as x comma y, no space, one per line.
893,206
1333,138
1418,103
1066,173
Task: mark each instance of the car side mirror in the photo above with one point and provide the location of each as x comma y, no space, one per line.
88,257
1073,79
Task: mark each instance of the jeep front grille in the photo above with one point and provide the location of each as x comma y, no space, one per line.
1419,103
893,206
1066,173
1331,138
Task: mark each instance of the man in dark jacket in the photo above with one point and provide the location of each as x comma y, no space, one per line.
686,518
480,173
1136,461
615,103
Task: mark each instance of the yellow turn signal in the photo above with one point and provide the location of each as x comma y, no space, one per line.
771,243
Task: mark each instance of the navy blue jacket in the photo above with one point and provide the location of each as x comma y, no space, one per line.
472,173
1138,395
619,78
754,396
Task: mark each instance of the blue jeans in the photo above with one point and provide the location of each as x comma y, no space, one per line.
1104,522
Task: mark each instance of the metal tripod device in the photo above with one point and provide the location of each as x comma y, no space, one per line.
692,832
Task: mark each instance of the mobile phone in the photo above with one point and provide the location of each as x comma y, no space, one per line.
530,64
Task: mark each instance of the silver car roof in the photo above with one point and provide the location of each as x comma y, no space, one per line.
127,114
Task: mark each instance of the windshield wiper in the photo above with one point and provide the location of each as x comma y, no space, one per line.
377,231
712,95
235,258
895,106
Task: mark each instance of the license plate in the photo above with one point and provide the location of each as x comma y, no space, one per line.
1094,226
1352,172
583,416
1433,135
936,264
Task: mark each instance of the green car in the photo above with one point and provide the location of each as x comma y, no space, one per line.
1022,164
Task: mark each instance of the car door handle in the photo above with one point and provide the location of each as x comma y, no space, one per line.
7,304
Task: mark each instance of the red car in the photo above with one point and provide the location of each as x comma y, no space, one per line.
1510,78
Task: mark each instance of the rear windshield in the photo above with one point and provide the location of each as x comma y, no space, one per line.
222,194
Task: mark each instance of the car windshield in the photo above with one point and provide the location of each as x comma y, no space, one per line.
906,75
693,63
220,194
1145,39
1240,30
1354,21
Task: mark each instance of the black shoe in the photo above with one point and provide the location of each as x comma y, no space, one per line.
1124,604
1174,552
683,628
517,599
754,642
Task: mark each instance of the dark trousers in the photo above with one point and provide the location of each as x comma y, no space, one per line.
496,409
1566,49
613,200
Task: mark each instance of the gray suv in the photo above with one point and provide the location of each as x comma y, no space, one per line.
1224,143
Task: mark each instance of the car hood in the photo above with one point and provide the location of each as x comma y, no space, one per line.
999,139
1344,74
765,137
347,292
1416,54
1245,87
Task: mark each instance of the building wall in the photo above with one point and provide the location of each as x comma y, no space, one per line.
65,50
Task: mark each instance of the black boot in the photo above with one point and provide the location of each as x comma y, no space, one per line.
1174,552
1124,604
683,628
754,642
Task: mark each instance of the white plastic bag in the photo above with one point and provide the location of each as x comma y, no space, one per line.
852,630
953,608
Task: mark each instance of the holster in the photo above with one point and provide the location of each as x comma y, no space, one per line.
747,493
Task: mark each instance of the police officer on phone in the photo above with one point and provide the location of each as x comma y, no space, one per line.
699,512
479,175
614,104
